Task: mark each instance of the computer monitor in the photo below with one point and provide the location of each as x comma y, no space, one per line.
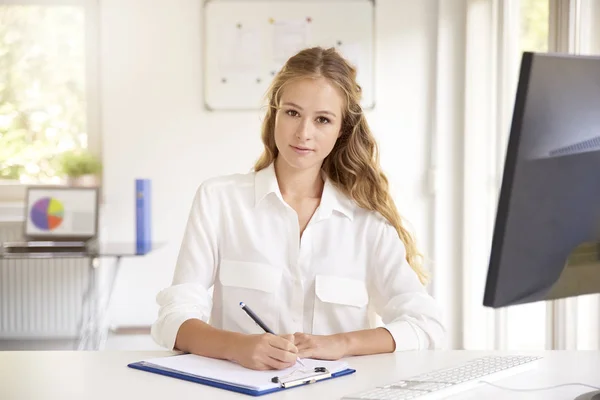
546,239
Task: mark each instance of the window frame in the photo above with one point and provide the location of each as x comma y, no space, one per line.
14,191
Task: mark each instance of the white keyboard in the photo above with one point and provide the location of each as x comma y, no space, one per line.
445,382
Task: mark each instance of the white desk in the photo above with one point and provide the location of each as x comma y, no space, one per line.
105,376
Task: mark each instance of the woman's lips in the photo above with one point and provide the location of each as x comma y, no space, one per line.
301,150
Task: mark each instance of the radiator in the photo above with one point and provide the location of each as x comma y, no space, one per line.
40,298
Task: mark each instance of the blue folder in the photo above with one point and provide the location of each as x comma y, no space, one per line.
143,216
146,366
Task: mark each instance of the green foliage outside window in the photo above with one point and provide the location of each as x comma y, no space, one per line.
42,89
534,25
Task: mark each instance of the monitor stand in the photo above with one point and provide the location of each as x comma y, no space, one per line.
581,274
595,395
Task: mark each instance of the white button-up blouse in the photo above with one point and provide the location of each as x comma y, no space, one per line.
347,272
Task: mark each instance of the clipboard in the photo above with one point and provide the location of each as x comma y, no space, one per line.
291,380
277,381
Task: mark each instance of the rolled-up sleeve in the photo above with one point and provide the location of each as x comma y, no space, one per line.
411,315
188,297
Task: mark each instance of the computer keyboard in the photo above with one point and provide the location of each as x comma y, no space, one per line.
445,382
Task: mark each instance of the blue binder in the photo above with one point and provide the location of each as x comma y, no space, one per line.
143,216
304,380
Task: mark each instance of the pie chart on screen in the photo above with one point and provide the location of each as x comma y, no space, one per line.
47,213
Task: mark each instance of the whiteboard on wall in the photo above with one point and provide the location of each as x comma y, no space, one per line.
246,42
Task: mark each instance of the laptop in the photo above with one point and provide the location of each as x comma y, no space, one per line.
57,220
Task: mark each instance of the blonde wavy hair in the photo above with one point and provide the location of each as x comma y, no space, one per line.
353,164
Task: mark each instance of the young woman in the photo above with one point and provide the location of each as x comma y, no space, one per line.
310,240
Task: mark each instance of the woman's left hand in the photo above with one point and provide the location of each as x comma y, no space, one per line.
330,347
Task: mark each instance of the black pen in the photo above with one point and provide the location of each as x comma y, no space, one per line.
260,323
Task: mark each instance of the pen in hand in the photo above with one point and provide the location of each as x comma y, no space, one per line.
260,323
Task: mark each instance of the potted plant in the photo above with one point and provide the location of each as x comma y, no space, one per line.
80,168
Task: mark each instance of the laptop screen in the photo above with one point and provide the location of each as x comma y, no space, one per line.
55,213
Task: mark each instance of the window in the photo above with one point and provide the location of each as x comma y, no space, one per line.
44,87
526,25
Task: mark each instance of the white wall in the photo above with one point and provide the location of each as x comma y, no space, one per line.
154,126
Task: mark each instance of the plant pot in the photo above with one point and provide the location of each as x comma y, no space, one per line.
83,181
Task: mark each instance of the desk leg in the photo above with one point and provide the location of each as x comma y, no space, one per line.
89,305
93,331
102,326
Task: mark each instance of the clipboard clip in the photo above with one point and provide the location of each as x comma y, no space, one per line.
307,377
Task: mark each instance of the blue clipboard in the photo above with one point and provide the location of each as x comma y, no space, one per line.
303,381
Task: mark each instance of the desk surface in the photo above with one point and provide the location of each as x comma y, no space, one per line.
105,376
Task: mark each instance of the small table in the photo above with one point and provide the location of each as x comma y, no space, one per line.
93,324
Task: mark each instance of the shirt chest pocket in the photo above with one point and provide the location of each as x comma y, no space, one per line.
341,305
255,284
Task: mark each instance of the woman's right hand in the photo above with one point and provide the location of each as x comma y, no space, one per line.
265,351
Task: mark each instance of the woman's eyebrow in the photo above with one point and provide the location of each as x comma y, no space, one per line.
289,103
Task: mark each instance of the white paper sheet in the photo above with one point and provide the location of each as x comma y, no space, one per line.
232,373
351,52
241,52
289,37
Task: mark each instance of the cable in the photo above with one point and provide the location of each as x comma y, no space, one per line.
543,388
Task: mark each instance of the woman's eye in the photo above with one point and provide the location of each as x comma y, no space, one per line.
292,113
322,120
